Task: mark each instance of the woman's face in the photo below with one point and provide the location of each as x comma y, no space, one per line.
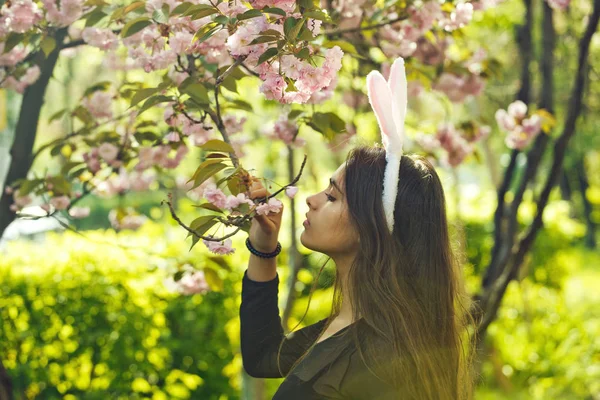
330,231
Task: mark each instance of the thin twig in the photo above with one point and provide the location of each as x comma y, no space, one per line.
239,222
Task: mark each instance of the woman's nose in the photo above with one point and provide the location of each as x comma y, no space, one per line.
310,201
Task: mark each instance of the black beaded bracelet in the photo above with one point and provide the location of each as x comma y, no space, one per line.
261,254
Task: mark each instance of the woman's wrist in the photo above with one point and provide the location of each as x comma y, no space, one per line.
264,248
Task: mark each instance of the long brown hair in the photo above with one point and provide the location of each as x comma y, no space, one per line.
406,287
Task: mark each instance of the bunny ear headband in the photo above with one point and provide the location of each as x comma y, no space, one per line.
388,100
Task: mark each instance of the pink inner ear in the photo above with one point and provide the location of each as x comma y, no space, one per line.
380,97
398,87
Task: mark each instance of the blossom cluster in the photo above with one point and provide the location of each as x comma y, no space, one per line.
521,129
455,141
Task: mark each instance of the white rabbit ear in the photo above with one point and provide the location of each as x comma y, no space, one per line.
380,97
399,90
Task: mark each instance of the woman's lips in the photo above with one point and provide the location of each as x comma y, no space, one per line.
306,223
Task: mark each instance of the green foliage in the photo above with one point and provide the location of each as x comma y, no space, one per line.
548,341
81,319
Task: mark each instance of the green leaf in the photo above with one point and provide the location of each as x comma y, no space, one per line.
270,53
288,25
294,114
97,86
307,4
274,10
142,94
241,105
28,186
178,275
207,172
264,39
181,8
57,115
317,14
69,166
230,83
303,54
133,6
48,45
206,32
202,222
134,26
253,13
213,279
152,101
210,206
83,115
204,12
199,7
197,92
221,19
12,40
234,185
335,122
161,16
94,17
217,145
146,136
296,29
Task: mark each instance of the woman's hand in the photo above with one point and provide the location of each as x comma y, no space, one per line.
264,230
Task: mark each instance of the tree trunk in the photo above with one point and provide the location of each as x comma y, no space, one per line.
492,298
293,254
502,240
565,186
590,234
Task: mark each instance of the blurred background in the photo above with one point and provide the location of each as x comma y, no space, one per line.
89,308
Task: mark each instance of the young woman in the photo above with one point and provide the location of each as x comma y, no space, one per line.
398,313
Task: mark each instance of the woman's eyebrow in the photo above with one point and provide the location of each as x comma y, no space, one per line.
335,185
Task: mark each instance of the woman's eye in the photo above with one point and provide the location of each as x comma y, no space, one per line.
329,197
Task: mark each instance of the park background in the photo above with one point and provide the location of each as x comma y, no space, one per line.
88,312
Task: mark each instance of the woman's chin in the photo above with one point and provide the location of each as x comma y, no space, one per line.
303,241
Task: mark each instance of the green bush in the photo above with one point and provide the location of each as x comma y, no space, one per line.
82,318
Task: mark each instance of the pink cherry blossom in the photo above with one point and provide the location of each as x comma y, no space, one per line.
234,201
517,109
21,15
79,212
532,125
505,121
452,86
13,57
8,190
129,220
461,16
108,151
272,206
222,248
60,202
428,143
215,196
559,5
99,104
192,282
291,191
173,136
21,201
63,13
104,39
